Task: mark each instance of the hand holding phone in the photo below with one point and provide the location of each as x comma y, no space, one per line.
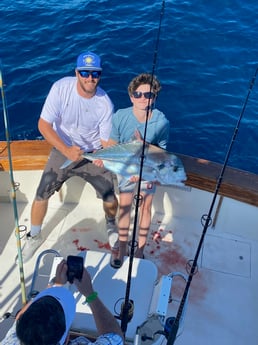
75,268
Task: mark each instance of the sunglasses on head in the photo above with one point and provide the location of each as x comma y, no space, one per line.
147,95
86,74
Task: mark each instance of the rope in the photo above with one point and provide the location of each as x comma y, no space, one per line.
127,303
13,192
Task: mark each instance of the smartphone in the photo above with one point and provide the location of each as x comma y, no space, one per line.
75,268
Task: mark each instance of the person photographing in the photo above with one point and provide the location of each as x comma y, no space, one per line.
47,319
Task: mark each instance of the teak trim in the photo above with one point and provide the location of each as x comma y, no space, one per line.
202,174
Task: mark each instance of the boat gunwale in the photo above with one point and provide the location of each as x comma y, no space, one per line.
201,174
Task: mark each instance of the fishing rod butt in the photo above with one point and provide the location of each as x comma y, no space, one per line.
126,314
171,329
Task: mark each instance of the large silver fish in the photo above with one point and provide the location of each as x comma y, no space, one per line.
124,159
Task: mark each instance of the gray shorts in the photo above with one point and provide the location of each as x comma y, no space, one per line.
53,177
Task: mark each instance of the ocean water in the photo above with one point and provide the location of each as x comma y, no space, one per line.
205,58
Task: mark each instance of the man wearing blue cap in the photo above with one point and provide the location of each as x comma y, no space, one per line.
76,118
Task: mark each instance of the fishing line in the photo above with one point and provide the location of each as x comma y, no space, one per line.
13,191
127,303
175,326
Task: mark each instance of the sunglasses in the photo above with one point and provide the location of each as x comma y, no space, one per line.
86,74
147,95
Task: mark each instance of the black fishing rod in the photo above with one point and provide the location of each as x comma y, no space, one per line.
128,304
208,220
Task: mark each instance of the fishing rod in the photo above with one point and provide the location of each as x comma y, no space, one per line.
127,306
208,220
13,191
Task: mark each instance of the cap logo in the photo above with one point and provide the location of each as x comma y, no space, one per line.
88,60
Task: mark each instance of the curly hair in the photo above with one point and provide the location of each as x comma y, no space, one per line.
144,78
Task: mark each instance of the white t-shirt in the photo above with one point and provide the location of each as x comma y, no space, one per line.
78,120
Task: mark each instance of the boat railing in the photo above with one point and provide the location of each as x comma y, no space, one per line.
202,174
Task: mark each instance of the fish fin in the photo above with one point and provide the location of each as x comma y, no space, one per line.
66,164
136,136
89,156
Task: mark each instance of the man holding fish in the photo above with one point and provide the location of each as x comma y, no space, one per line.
75,118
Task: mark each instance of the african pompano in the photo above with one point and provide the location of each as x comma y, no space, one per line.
125,159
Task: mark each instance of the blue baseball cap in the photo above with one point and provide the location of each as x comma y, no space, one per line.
88,61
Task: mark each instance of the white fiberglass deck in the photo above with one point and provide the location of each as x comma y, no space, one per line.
223,302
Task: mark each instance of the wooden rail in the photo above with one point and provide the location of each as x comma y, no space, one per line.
202,174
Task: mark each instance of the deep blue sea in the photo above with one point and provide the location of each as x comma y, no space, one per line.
205,58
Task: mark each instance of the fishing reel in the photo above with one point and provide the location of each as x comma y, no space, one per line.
126,311
168,327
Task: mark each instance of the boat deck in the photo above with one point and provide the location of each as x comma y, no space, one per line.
223,299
